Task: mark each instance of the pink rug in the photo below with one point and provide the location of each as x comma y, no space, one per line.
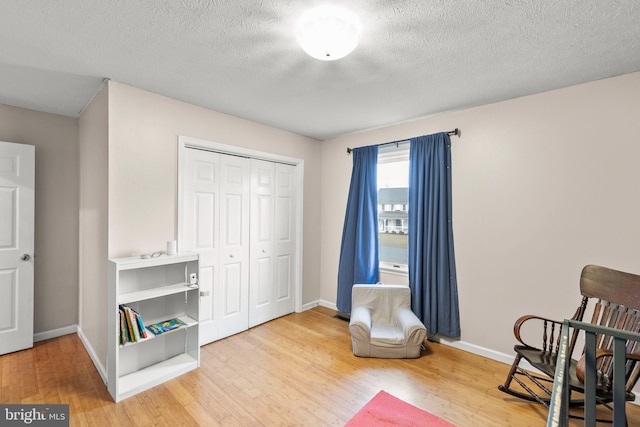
387,410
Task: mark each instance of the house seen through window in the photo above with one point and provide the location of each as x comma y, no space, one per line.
393,207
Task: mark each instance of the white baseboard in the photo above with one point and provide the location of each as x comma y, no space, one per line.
92,354
475,349
47,335
309,306
320,302
327,304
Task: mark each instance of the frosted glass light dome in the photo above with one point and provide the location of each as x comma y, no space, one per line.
328,32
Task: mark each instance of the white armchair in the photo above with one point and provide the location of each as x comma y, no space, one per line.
382,323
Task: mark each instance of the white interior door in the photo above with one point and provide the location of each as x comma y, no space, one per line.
215,223
285,239
17,195
273,226
201,225
262,271
234,244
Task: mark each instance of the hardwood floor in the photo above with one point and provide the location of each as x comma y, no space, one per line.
295,371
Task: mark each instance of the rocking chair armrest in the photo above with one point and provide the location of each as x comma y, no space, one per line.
604,353
525,318
580,367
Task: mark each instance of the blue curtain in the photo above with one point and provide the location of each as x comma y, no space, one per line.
432,268
359,249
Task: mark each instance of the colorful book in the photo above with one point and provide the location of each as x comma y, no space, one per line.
141,328
128,323
128,332
123,334
124,328
133,323
166,326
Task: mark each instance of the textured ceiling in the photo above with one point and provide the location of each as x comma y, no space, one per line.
240,57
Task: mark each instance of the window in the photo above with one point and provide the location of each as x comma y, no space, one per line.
393,207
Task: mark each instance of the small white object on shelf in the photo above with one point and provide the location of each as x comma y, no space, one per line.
172,247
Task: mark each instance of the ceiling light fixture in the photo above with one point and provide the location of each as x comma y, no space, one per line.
328,32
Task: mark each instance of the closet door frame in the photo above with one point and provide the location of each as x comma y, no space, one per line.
186,142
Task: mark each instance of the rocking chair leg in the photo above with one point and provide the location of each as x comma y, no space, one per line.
512,372
506,387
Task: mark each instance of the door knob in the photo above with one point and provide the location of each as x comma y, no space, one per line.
25,257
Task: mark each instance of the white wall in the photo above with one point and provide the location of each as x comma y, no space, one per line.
56,224
542,185
94,161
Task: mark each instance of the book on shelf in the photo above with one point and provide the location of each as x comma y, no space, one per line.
166,326
131,326
122,336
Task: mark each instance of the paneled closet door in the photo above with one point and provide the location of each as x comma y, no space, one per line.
216,226
239,214
285,238
272,241
261,295
201,225
233,296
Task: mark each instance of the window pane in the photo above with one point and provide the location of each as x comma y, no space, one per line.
393,200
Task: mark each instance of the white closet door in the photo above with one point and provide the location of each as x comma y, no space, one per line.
273,228
239,215
201,225
285,239
261,293
233,298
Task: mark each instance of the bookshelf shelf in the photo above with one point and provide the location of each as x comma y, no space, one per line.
188,322
156,374
155,290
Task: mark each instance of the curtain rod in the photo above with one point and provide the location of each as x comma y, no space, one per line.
456,131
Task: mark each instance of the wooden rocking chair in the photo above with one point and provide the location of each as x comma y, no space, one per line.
613,297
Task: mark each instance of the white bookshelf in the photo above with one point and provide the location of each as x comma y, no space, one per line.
158,289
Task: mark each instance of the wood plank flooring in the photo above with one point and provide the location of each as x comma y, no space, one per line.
294,371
